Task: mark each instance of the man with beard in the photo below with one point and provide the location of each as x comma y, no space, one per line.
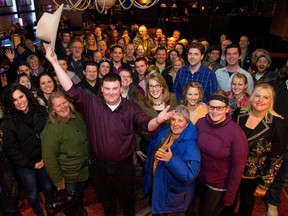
263,75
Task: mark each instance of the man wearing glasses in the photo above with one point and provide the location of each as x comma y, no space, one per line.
76,61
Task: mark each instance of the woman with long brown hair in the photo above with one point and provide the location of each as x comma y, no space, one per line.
156,99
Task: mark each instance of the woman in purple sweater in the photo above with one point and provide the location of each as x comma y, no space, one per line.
224,150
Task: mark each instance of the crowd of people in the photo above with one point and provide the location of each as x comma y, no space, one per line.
206,123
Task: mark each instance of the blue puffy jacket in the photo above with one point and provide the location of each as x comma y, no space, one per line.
173,183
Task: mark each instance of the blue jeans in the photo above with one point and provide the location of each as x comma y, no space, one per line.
273,195
29,179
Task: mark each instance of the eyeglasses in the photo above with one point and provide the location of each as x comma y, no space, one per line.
218,108
155,86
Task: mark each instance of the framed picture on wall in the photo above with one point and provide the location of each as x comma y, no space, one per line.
25,2
6,3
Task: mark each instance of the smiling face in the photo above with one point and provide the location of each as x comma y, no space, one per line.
262,65
61,107
161,56
178,124
179,48
97,56
20,101
126,78
24,80
155,89
141,67
193,96
117,54
238,86
140,51
261,100
34,64
194,57
63,64
232,56
91,40
104,68
24,69
77,49
130,50
173,55
217,111
214,55
46,84
177,65
111,92
90,73
158,32
102,46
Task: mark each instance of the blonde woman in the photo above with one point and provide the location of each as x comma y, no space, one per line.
177,63
265,132
192,97
90,47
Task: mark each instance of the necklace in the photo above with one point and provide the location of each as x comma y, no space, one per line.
159,104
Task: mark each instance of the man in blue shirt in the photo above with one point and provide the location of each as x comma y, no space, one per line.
195,72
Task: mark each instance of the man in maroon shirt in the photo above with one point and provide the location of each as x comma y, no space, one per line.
111,123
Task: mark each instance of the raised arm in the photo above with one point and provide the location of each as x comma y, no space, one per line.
64,80
161,118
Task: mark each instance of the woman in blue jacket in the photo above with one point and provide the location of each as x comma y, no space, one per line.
172,165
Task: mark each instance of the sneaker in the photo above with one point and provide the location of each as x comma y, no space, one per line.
272,210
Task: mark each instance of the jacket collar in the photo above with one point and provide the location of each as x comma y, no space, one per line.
260,129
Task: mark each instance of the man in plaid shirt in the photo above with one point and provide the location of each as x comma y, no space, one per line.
195,72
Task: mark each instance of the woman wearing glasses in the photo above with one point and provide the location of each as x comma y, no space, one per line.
156,99
224,148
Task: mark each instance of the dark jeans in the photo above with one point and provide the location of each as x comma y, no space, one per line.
6,208
77,188
29,179
273,195
78,209
246,190
114,181
211,201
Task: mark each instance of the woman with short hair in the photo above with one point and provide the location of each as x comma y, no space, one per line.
224,148
173,162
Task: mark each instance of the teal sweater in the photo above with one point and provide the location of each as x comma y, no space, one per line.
65,151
